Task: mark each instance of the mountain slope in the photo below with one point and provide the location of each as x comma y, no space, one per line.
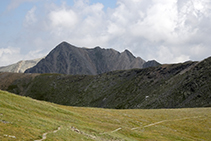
68,59
20,67
167,86
22,118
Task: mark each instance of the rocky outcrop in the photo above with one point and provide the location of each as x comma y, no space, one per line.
68,59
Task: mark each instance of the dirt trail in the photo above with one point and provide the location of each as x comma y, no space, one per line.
116,130
112,131
159,122
82,133
44,136
152,124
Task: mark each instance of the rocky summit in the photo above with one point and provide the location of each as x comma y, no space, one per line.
68,59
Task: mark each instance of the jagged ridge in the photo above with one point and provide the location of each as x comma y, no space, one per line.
68,59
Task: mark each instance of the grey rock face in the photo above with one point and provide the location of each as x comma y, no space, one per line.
68,59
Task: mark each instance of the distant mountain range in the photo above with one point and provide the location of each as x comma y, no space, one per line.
21,66
166,86
68,59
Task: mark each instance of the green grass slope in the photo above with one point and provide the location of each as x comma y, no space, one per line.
23,118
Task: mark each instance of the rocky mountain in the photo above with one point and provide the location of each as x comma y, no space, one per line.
68,59
151,63
167,86
20,67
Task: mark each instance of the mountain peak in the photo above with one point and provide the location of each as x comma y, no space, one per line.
68,59
98,48
64,43
129,53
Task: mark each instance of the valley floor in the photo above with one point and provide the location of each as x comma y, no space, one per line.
23,118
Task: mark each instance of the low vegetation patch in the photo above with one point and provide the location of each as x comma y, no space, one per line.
23,118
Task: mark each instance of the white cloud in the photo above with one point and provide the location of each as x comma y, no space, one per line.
166,30
145,27
158,24
12,55
82,24
63,18
9,55
30,17
171,54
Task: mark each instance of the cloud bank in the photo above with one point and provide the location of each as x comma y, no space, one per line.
168,31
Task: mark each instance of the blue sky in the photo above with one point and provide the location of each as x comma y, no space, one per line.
167,31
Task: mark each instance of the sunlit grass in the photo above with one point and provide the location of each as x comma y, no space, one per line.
23,118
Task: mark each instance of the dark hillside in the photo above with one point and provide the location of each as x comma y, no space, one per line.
167,86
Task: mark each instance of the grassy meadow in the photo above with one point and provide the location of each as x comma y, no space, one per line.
23,118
